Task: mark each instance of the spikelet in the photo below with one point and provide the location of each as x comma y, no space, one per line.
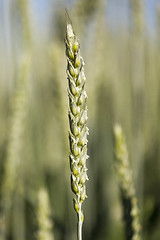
43,216
77,120
126,183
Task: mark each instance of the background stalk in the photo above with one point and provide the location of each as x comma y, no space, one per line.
126,183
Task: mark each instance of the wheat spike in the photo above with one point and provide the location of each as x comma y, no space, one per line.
126,183
77,119
43,216
13,161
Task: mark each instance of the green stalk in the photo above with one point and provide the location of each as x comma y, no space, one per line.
26,29
138,89
77,119
79,223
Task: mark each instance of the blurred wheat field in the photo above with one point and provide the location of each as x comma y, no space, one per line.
122,66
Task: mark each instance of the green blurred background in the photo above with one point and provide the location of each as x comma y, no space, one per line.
120,43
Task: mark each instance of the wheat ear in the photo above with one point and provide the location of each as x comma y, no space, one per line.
126,183
15,143
77,120
43,216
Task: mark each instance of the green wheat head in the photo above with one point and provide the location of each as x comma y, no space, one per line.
77,119
43,216
126,183
11,182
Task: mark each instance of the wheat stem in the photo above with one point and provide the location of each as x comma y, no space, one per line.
138,89
25,17
79,237
77,119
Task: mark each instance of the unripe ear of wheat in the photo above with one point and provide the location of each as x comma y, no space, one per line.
77,120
